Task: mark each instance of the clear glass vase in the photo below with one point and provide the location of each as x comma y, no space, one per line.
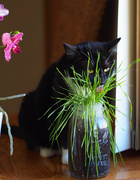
80,165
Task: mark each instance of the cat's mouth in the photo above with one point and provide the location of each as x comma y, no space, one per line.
100,88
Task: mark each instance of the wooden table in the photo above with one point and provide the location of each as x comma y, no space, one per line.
27,164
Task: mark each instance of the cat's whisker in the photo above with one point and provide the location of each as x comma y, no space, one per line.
84,54
109,56
91,57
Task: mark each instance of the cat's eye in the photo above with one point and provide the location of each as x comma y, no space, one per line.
90,71
106,70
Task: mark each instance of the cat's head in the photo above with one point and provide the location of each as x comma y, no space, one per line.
77,56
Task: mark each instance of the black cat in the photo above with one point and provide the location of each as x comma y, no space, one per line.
35,104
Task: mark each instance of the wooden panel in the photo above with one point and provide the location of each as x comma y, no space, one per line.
26,164
72,22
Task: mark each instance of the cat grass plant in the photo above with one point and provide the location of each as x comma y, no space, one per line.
81,93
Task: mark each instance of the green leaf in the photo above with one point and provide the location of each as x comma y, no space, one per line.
81,93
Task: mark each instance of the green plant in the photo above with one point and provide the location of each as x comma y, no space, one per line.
7,118
81,92
10,42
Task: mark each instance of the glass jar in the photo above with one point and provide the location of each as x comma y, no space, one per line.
80,165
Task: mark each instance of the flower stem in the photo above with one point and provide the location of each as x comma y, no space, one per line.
11,97
2,46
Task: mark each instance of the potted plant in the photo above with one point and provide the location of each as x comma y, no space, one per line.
10,42
87,110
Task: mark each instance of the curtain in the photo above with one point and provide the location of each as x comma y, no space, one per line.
128,51
137,127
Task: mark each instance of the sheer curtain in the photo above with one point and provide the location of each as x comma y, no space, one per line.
128,51
137,124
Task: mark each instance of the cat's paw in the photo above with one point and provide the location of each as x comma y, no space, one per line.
65,156
46,152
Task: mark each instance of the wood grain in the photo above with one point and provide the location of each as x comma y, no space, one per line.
26,164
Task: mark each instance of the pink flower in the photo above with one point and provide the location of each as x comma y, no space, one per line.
11,43
3,12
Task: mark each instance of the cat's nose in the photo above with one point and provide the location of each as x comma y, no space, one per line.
102,81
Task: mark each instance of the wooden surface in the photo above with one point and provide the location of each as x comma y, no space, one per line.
26,164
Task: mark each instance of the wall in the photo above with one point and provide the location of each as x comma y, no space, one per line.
109,22
24,71
71,22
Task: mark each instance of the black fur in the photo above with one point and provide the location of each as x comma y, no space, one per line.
36,103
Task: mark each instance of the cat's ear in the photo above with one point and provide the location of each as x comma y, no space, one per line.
69,49
112,45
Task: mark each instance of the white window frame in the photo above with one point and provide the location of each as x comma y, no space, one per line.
122,125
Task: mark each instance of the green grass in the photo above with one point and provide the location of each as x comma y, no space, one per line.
82,93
